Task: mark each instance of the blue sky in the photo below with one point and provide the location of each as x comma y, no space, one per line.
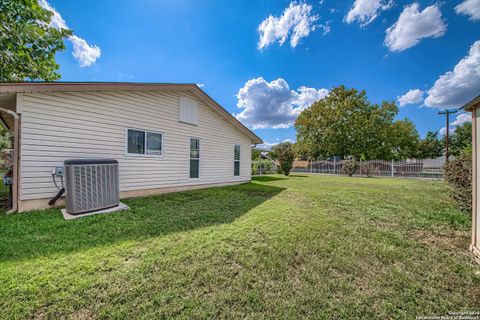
242,62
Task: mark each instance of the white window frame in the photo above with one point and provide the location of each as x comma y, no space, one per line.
239,160
144,155
199,157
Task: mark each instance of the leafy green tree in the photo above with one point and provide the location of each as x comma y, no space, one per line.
255,154
28,43
431,147
6,139
344,124
404,140
272,155
461,139
285,155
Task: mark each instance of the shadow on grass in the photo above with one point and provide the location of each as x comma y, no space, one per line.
42,233
268,178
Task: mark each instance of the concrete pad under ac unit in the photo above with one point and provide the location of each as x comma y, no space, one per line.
68,216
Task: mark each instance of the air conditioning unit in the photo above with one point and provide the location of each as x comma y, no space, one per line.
91,184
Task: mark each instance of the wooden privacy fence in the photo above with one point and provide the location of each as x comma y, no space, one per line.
422,168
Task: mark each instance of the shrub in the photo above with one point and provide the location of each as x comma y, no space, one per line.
285,156
349,167
367,169
266,166
255,168
458,174
279,170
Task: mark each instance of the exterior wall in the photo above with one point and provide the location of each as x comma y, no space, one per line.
65,125
476,182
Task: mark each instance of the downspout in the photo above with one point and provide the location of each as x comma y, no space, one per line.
16,162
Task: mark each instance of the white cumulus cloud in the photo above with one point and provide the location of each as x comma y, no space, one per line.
457,87
470,8
414,25
296,22
365,11
413,96
461,119
270,145
273,104
305,96
85,54
443,131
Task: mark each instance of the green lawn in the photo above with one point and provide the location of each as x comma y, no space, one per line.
302,247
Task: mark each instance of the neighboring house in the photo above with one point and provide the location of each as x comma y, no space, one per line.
474,107
166,137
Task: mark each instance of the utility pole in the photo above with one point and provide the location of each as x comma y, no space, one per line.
447,117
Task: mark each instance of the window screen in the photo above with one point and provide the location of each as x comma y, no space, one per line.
194,158
136,141
144,142
154,143
236,160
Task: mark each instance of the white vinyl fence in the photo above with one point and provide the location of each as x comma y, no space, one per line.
426,168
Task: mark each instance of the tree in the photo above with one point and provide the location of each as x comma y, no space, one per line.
345,123
255,154
28,43
285,156
431,147
6,138
404,140
461,139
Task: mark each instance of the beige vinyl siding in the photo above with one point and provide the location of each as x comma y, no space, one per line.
67,125
476,220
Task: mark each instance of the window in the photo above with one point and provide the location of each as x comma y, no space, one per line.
136,141
154,143
194,158
236,160
188,110
141,142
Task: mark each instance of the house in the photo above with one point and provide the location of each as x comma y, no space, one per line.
166,137
474,107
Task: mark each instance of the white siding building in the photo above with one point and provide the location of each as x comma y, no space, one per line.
166,137
474,107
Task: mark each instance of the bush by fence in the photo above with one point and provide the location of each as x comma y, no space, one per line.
349,167
458,174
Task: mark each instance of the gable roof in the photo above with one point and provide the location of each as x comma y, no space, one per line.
30,87
471,104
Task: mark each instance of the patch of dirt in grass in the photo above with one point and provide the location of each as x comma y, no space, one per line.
83,314
130,261
80,314
450,240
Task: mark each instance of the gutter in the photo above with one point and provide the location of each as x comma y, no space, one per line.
16,162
